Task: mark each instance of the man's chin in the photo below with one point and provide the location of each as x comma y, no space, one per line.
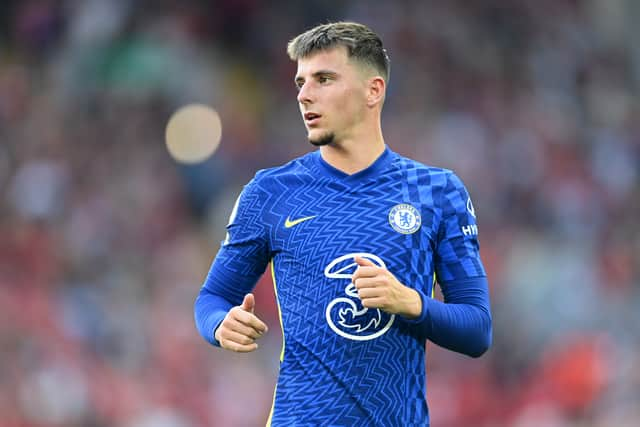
321,140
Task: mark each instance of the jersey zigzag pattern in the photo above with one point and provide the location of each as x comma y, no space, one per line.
342,364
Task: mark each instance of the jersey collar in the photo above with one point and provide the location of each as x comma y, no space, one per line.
374,169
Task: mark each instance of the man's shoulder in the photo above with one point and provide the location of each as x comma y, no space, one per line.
295,167
435,173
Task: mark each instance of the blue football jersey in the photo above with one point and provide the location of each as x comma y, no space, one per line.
343,364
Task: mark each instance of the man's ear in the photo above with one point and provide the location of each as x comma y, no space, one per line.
375,91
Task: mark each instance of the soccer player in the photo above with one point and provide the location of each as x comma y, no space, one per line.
355,234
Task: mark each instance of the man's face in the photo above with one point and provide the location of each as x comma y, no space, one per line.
332,95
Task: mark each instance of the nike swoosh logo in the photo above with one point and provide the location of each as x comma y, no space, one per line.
288,223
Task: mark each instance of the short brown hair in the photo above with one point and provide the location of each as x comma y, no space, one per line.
361,42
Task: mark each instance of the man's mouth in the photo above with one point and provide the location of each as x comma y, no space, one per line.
311,118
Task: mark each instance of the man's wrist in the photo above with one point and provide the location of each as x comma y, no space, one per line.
216,328
413,305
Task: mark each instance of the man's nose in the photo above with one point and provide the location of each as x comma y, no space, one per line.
304,94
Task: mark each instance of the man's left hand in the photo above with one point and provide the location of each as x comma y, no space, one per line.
378,288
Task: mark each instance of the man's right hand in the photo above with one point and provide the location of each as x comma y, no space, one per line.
241,328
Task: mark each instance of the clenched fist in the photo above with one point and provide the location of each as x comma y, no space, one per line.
378,288
241,328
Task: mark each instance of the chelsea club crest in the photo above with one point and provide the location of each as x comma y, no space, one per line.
405,219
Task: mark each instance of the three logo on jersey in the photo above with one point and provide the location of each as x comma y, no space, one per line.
345,315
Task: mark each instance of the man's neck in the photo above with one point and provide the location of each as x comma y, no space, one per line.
352,156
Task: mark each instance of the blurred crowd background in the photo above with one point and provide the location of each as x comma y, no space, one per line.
105,239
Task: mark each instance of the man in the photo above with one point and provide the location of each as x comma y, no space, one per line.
355,234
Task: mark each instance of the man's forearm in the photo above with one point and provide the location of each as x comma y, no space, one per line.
463,322
209,311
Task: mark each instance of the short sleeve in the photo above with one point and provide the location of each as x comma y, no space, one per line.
457,252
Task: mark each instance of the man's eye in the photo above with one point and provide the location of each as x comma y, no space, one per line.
323,79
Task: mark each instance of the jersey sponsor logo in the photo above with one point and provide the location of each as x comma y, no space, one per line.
404,218
345,315
470,230
470,208
292,223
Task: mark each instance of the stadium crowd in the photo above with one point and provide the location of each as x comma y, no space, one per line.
105,240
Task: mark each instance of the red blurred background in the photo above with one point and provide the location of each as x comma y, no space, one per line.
105,240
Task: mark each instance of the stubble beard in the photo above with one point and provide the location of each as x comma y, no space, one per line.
323,140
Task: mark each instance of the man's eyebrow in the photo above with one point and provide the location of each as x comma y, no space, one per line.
324,73
317,74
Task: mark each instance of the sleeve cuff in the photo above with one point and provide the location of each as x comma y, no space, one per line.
216,321
425,310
